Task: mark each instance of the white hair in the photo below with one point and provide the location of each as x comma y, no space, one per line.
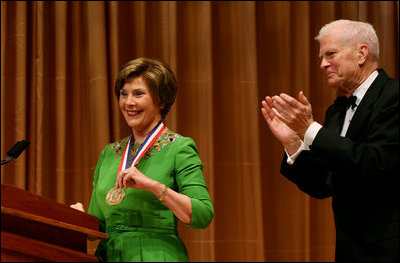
354,32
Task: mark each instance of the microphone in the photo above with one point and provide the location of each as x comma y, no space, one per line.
15,151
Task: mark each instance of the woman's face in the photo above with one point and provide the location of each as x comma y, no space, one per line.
138,107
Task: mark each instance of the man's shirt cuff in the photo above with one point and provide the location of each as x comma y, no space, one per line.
290,159
311,133
305,145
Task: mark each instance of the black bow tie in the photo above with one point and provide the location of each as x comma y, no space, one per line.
347,102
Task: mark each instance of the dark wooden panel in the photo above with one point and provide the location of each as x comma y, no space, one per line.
34,228
44,232
19,248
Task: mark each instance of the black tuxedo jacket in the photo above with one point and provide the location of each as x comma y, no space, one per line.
361,173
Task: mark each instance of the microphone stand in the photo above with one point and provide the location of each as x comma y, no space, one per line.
15,151
8,159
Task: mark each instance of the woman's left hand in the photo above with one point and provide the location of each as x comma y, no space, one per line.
132,177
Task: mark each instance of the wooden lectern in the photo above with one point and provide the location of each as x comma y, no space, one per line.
35,228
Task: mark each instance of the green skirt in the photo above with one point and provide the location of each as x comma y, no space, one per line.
141,246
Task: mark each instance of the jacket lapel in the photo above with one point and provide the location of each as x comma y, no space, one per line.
363,110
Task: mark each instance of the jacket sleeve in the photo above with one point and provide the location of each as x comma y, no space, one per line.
191,183
309,173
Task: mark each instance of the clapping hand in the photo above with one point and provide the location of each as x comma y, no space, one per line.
289,138
296,114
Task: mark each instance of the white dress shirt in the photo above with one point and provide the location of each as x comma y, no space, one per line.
314,128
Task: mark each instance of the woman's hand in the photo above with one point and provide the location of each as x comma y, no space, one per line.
178,203
132,177
78,206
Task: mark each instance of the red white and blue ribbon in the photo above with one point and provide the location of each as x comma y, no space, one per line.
148,142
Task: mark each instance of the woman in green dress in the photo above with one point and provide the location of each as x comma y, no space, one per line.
143,184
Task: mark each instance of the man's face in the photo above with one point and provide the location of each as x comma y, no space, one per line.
340,62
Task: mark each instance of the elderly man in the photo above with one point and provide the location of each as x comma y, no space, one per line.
354,156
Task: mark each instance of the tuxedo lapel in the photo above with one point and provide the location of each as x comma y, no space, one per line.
363,110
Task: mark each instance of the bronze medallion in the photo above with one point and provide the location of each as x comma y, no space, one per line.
115,196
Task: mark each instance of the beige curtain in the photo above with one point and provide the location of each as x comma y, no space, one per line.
58,64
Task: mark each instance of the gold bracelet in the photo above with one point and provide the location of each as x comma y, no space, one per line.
163,193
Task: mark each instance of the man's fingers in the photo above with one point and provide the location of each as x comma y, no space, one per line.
282,109
290,100
266,115
278,114
266,107
303,99
269,100
278,103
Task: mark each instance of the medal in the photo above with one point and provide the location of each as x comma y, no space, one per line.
116,195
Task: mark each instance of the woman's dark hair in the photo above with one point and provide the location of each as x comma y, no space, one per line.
157,74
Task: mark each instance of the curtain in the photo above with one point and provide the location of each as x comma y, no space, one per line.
59,61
